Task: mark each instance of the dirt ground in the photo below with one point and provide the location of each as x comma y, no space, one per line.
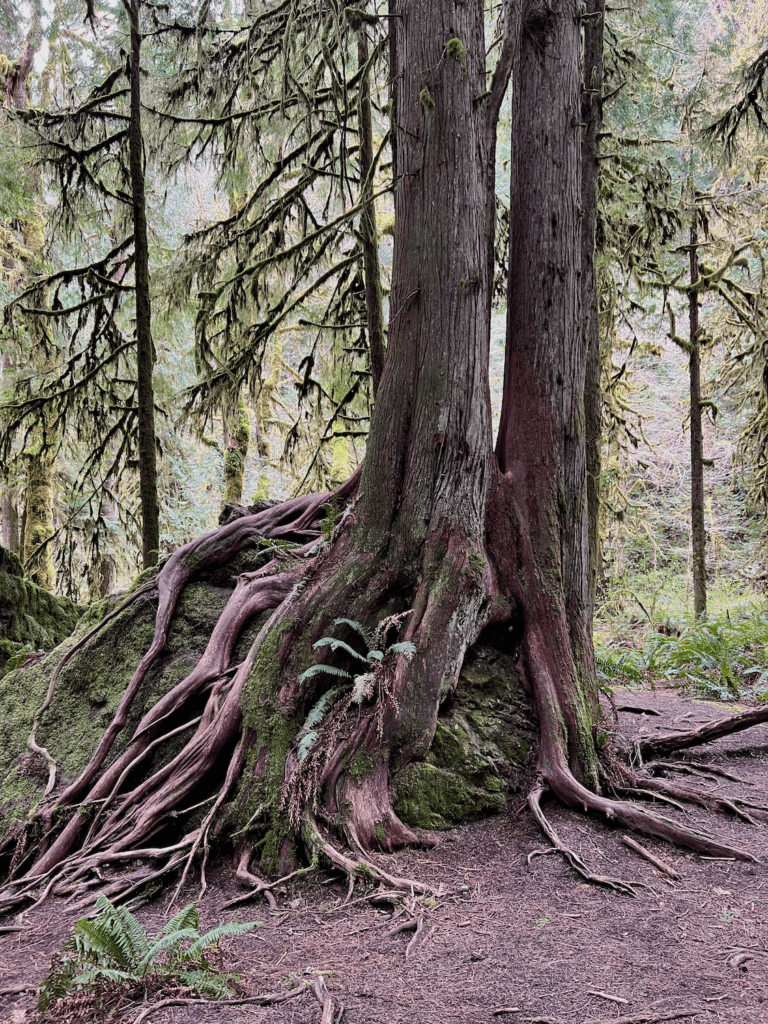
509,940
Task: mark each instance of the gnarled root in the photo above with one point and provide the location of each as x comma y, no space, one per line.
711,801
362,867
558,846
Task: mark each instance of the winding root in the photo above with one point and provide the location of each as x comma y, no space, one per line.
362,867
650,748
575,861
270,999
712,801
698,768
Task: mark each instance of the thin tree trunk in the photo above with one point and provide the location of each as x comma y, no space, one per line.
10,516
369,234
592,119
38,525
698,531
145,355
37,557
237,435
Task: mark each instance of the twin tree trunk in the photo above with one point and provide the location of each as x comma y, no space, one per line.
459,534
447,533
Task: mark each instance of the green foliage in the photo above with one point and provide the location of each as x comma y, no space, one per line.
715,657
310,730
426,100
114,947
379,659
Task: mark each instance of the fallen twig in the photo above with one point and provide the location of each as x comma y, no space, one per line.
608,996
16,989
321,994
652,1018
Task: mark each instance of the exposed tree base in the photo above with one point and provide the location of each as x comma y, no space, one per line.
195,757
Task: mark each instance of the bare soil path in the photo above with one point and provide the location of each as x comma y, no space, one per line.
526,939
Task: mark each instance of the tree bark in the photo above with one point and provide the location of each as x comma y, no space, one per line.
592,120
145,353
9,513
237,436
698,531
541,498
374,304
38,525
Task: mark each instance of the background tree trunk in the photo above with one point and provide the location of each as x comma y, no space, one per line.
9,512
145,353
237,436
369,234
698,530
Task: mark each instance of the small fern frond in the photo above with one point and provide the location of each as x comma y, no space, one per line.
363,688
188,917
94,974
164,944
337,645
332,670
407,648
93,941
213,937
358,627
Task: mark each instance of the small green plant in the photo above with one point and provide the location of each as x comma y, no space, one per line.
317,736
114,948
456,50
378,660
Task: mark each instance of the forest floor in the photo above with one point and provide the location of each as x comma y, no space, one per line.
509,941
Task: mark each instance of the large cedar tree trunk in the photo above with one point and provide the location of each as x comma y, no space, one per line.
540,534
592,120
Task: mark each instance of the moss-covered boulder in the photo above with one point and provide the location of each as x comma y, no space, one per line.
481,751
91,685
31,619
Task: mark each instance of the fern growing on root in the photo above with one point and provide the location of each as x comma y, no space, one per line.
370,691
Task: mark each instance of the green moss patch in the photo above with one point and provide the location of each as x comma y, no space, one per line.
89,690
481,751
31,618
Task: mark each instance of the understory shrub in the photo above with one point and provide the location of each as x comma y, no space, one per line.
714,657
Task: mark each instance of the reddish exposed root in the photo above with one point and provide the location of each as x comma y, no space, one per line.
650,748
321,994
559,847
362,867
711,801
270,999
